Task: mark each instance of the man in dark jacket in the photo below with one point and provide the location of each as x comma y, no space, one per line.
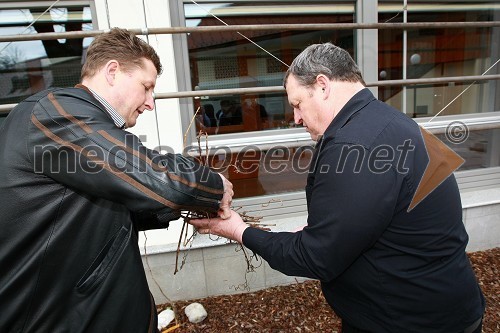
75,189
385,264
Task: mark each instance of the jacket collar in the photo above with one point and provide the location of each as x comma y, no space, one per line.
109,110
81,86
356,103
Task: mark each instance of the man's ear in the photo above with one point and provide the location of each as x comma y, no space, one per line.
110,70
324,84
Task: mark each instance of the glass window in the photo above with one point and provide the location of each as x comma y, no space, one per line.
476,147
440,52
255,171
27,67
223,60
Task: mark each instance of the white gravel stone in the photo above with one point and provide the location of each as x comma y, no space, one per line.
164,318
195,312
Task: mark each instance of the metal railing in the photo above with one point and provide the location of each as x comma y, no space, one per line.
258,90
255,27
5,108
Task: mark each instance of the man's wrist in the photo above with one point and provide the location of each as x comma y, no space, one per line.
238,234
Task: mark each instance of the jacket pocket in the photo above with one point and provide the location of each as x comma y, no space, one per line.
104,262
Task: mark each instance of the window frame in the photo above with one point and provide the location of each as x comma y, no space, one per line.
366,41
10,5
291,202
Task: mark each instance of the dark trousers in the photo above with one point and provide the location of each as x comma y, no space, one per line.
348,328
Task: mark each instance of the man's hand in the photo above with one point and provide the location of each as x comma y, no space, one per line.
227,199
231,228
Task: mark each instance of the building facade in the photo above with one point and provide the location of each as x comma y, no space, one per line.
221,98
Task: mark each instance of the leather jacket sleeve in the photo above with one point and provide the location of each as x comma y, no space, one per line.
74,142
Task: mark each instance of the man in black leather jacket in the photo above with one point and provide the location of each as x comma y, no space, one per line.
75,189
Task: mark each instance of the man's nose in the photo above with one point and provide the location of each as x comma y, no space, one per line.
297,118
150,102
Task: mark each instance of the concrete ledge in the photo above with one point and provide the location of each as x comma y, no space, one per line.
477,198
215,267
481,217
212,267
203,241
209,271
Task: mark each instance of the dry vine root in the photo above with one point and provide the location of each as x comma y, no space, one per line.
186,240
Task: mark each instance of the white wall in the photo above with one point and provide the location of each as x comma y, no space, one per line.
162,126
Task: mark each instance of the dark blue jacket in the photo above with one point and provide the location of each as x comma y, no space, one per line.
382,268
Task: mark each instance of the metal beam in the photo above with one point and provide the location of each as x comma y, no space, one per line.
5,108
255,27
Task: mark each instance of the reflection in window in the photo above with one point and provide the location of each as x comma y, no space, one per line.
226,60
439,52
27,67
254,171
223,60
478,148
243,113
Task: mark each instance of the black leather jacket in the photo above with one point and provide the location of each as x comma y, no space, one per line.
74,192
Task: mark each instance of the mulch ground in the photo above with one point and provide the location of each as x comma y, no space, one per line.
301,307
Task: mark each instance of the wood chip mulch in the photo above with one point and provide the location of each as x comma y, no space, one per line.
301,307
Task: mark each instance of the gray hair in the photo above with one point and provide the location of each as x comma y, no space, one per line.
327,59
